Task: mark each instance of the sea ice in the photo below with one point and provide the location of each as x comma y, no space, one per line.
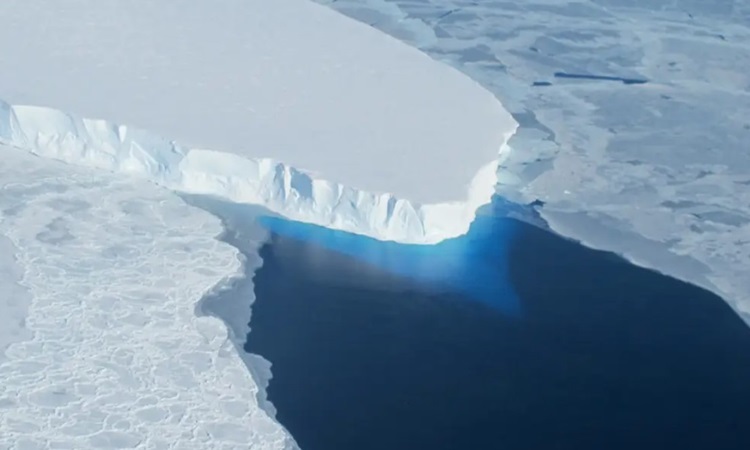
115,355
634,118
14,298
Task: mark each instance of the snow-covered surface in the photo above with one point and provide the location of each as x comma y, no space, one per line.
658,171
384,131
286,104
233,303
116,356
14,298
324,120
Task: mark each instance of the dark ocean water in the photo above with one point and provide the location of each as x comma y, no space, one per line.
508,338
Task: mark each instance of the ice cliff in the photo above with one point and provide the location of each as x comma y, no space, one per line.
283,189
318,117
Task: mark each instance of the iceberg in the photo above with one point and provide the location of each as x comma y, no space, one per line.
285,104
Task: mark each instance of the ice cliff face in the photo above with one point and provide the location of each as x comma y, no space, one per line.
281,188
386,141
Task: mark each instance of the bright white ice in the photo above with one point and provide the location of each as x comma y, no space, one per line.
117,356
383,131
285,104
657,172
327,121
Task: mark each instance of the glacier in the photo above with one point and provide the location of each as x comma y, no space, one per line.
291,105
283,189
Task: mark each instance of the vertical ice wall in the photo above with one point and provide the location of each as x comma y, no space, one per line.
374,136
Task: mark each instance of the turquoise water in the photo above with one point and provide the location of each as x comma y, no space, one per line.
475,265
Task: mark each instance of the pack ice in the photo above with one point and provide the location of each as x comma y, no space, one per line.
285,104
103,273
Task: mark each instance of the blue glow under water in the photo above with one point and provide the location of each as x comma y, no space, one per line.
385,348
475,265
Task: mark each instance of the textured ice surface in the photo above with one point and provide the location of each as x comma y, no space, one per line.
288,80
13,297
659,170
116,356
232,304
285,104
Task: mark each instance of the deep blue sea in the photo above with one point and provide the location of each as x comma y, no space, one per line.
508,338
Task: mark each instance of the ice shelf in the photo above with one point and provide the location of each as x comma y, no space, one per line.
302,109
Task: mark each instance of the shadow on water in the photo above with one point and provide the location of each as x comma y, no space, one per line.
474,265
604,356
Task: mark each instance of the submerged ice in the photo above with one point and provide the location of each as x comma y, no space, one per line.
474,266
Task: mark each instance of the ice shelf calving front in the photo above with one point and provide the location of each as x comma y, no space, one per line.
285,103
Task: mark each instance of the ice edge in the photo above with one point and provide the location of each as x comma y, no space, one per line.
282,189
258,367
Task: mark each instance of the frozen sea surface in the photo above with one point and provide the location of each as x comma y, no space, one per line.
658,170
14,298
114,353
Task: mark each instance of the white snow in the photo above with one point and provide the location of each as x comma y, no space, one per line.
281,103
286,104
114,354
14,298
365,133
658,172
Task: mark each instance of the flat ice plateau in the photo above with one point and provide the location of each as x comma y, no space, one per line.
114,355
285,103
652,159
282,103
